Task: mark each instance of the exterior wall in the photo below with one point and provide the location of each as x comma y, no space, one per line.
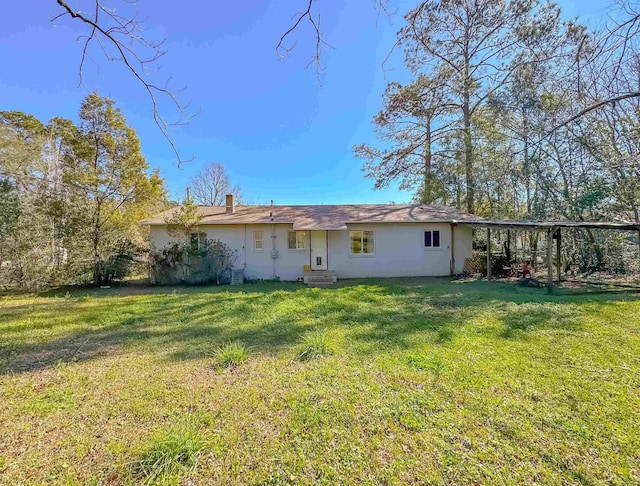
258,264
463,246
399,250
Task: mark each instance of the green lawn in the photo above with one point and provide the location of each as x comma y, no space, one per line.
422,381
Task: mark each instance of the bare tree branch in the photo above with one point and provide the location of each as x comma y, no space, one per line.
125,35
593,107
314,20
609,55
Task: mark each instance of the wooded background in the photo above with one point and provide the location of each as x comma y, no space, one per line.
511,112
514,113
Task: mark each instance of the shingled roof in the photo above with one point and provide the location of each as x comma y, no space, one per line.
323,217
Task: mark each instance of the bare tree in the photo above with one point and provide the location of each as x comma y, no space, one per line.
611,49
210,186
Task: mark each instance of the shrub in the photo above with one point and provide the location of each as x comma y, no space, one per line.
230,355
315,344
182,263
119,264
170,453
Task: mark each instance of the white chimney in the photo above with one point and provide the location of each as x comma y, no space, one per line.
230,204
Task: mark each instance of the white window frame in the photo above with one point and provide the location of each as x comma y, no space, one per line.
201,235
306,237
261,240
432,247
362,253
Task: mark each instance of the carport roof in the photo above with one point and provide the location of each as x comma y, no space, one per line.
544,225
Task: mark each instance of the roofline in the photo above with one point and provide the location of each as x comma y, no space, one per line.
482,223
399,221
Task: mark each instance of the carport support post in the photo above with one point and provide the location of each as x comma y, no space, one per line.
488,254
558,244
550,260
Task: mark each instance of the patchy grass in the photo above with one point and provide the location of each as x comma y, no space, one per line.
315,344
169,454
432,382
230,355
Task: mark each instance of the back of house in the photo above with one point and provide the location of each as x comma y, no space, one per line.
346,241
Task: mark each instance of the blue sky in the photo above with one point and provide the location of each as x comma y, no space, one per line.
280,134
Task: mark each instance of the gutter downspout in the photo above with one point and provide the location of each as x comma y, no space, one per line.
245,247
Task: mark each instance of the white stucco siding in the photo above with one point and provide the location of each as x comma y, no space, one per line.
259,264
463,247
289,265
399,251
159,237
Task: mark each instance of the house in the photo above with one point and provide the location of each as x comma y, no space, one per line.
338,241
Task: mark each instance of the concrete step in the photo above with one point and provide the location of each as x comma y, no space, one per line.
319,272
320,279
320,285
319,276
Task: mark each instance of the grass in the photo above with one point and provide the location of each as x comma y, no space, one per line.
230,355
169,454
430,381
315,344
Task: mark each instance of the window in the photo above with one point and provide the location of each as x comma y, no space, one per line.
196,240
297,240
258,242
361,242
432,239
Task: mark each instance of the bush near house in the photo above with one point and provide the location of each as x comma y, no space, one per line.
207,261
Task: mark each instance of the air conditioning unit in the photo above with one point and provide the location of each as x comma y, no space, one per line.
237,276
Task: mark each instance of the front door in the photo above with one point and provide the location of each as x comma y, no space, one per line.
319,250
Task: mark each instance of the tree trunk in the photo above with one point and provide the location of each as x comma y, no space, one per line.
426,197
96,264
96,246
468,147
527,169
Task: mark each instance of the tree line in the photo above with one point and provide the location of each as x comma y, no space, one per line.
512,112
72,195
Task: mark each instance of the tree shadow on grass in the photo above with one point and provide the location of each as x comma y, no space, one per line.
529,317
124,289
554,460
186,327
379,314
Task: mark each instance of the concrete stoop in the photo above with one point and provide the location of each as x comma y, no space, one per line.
320,278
